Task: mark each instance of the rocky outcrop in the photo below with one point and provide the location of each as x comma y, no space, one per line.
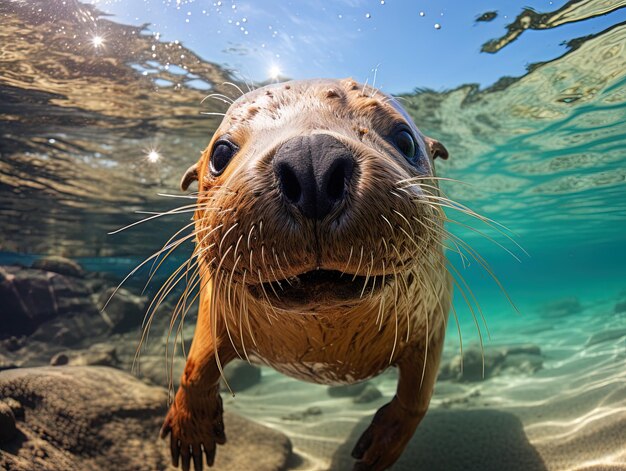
477,364
100,354
98,418
121,309
347,390
240,375
606,336
53,318
370,394
61,265
620,307
561,308
31,297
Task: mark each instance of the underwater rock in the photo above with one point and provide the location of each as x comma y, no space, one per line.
31,297
97,355
155,368
463,399
61,265
526,349
241,375
124,310
517,359
99,418
12,344
370,394
521,363
347,390
620,307
561,308
6,363
606,336
470,366
75,329
8,428
303,415
101,281
60,359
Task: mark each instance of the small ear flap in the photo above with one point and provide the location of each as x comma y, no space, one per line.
191,175
436,148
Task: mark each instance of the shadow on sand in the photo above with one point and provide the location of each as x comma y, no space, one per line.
451,440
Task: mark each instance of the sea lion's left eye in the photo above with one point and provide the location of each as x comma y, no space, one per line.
223,152
405,142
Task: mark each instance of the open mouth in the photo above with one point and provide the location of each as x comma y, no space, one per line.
318,287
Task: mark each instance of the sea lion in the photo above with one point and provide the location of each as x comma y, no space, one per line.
319,242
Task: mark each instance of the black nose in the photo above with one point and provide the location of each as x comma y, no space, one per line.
313,173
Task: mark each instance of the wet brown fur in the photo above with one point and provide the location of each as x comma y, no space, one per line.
246,235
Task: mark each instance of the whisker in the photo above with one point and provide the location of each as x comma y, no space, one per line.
220,97
359,265
234,86
212,113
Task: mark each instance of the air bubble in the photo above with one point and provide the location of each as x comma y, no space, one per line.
368,16
437,26
422,13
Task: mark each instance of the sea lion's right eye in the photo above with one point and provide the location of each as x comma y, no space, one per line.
223,152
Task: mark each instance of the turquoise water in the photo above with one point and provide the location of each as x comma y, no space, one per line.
101,112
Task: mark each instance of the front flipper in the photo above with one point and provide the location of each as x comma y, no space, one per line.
195,425
194,421
384,440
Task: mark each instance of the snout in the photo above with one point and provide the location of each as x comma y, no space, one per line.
314,174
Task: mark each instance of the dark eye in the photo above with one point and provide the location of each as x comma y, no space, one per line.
406,144
223,151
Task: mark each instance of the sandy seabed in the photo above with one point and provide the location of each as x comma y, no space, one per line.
569,415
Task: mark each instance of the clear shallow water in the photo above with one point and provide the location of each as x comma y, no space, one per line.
531,105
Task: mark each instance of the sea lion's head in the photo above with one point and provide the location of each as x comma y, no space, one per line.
316,194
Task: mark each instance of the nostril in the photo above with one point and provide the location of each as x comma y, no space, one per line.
289,184
336,183
340,174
